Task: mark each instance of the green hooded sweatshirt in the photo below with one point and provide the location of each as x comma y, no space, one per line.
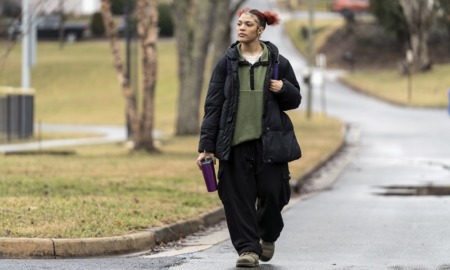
251,98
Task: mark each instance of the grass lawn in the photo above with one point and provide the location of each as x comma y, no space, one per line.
78,84
427,89
319,5
322,29
103,190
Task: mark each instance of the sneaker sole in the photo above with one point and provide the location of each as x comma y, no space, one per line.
265,259
247,265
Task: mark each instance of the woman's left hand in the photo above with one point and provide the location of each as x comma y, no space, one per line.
275,85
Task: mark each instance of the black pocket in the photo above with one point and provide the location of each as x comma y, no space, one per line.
286,188
282,145
220,182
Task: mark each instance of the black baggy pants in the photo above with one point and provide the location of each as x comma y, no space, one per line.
253,194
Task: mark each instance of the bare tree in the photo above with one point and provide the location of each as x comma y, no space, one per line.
147,15
193,25
225,12
419,15
194,21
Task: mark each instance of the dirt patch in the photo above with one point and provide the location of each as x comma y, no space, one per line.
367,44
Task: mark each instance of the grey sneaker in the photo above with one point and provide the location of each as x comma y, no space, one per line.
268,251
247,259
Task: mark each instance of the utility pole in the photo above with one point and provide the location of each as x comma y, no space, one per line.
26,44
127,37
409,63
33,39
311,6
61,24
25,96
127,33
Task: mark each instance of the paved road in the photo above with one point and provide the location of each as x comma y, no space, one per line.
352,225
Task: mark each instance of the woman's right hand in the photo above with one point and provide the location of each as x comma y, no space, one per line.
204,155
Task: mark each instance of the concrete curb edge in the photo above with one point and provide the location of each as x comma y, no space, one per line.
296,184
51,248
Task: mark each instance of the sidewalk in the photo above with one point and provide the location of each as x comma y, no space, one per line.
107,134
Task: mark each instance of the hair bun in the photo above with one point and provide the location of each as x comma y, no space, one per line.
266,17
271,17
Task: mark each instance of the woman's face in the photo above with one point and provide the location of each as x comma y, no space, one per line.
248,28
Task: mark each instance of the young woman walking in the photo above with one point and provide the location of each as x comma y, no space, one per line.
245,127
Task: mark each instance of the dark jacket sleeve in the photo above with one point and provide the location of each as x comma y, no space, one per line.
289,96
213,108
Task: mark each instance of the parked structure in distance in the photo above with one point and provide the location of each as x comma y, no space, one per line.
346,7
48,27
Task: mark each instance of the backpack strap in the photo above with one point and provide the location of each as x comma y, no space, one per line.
275,68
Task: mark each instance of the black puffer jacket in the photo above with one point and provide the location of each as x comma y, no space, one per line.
279,141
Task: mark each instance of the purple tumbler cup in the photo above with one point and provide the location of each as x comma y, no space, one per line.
209,174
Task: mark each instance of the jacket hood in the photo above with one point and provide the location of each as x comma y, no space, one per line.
233,53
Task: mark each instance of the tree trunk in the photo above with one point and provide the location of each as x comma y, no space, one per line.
147,15
141,128
193,25
419,17
222,39
111,32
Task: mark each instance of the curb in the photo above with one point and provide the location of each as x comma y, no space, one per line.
296,185
50,248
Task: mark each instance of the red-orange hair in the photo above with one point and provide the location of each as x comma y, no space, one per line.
266,17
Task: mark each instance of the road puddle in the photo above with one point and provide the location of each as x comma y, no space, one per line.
429,190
